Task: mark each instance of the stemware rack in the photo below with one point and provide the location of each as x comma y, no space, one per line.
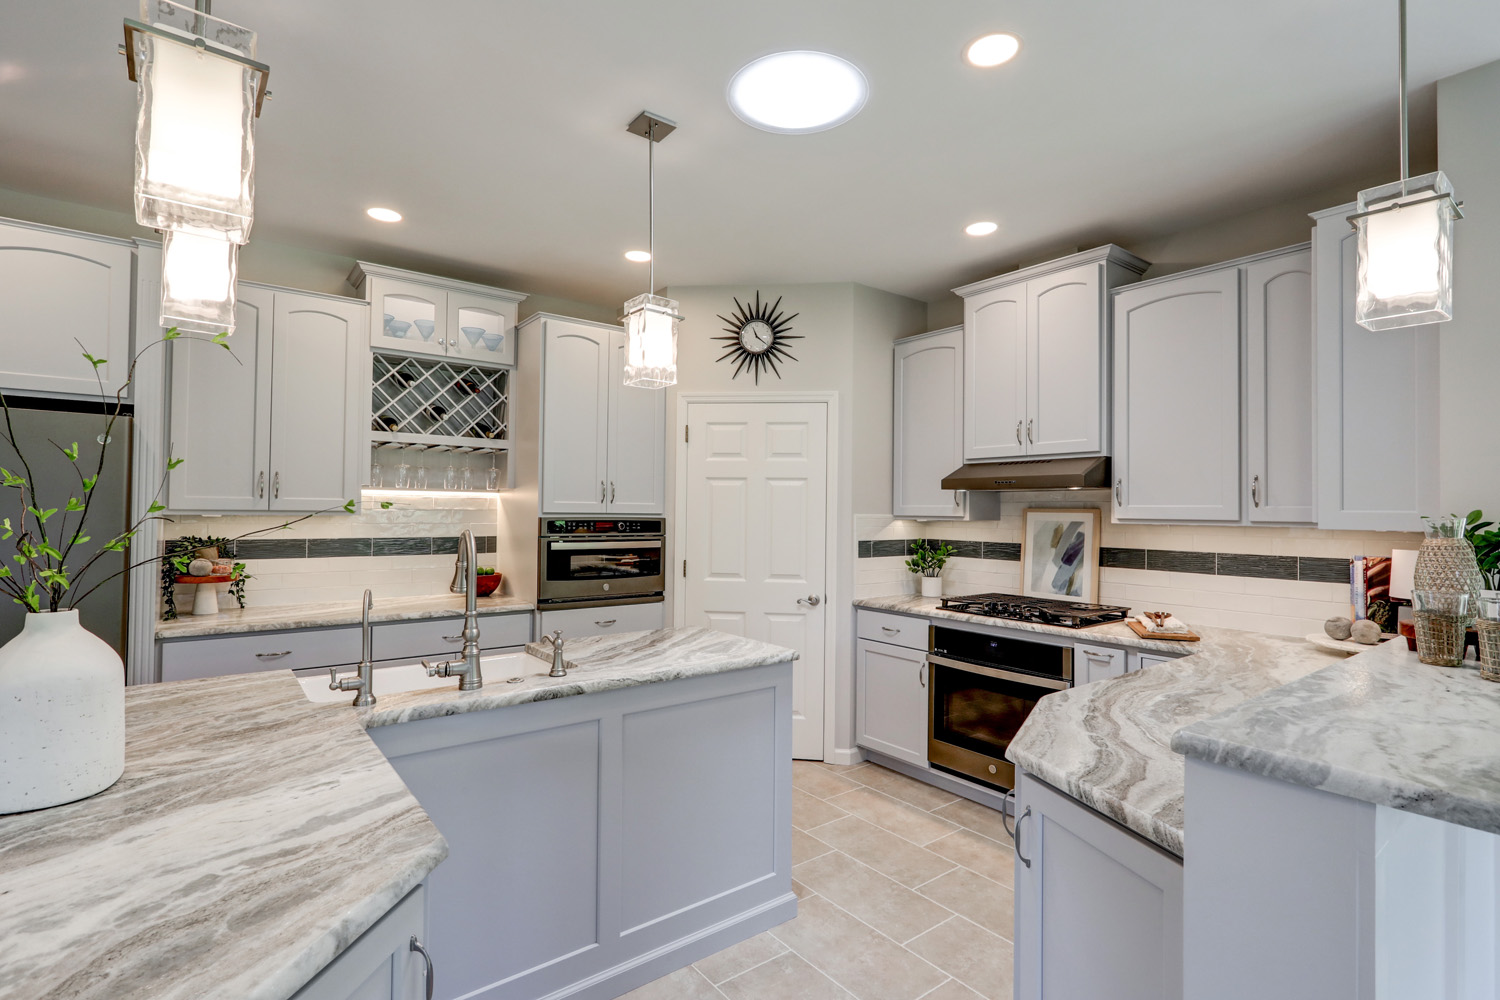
432,403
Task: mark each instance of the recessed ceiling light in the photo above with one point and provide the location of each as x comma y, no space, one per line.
797,92
638,256
992,50
980,228
383,214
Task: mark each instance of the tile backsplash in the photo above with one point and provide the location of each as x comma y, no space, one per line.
1279,580
404,551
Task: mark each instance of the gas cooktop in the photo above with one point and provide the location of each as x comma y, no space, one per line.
1041,610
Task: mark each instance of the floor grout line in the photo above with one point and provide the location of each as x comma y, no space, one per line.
939,986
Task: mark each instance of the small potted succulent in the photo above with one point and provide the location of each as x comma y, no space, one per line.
927,561
487,581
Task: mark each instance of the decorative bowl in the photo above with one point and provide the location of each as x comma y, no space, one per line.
487,584
425,328
474,333
492,341
398,327
388,318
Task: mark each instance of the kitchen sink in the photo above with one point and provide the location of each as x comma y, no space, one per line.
413,677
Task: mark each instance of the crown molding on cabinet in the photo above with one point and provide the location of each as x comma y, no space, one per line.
1109,252
364,270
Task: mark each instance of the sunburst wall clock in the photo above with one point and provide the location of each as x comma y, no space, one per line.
757,336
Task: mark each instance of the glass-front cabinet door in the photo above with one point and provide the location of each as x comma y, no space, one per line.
481,328
406,316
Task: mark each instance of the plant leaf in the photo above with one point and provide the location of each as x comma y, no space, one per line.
386,504
42,515
8,478
96,362
71,451
78,539
173,463
88,483
155,507
349,506
171,333
74,504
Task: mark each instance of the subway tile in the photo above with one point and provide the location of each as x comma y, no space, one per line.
866,549
1322,570
486,543
326,547
1008,551
1177,561
888,547
1265,567
1112,556
418,546
270,548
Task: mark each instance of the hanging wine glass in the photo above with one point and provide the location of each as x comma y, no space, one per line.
403,475
450,476
466,478
422,469
377,474
492,478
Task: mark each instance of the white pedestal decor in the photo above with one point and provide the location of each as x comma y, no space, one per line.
62,714
932,586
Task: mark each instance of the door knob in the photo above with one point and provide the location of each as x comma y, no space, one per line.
811,600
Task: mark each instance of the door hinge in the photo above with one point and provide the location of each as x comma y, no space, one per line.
684,433
684,569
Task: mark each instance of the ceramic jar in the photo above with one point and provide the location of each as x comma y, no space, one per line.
62,714
932,586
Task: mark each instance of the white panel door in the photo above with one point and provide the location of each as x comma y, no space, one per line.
756,523
221,413
890,700
575,417
1377,405
637,464
1065,395
928,421
1279,384
58,291
408,316
995,374
480,328
1177,399
319,406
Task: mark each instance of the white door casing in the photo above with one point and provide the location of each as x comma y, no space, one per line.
753,535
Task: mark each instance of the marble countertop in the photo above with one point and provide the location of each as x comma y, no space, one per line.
252,837
277,617
1114,633
595,663
1380,727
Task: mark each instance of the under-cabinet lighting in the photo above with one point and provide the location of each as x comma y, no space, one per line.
992,50
366,491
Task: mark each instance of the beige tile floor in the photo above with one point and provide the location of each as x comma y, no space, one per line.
904,892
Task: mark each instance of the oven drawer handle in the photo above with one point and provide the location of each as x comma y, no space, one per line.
1051,683
575,546
1023,858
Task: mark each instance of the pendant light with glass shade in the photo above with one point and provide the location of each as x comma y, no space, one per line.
1405,242
200,91
650,319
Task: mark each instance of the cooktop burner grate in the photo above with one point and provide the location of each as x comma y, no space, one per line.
1041,610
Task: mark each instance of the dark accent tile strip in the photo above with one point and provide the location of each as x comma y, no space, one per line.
864,550
1322,570
1264,567
403,546
1173,561
318,548
448,545
485,543
1122,558
1008,551
888,547
271,548
964,549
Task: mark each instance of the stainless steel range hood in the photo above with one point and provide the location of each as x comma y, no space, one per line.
1031,474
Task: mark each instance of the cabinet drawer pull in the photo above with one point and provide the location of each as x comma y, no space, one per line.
922,673
276,486
1029,438
1098,657
890,631
1005,814
601,491
1255,490
607,622
1118,502
427,976
260,485
611,491
454,638
1024,859
1018,432
273,656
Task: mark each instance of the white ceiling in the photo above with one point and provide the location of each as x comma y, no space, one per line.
498,128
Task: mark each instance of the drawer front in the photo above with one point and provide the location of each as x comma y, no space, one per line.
576,622
898,630
217,656
443,636
1093,663
1150,660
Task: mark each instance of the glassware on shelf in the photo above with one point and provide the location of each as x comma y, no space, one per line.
425,327
377,474
1488,627
1442,621
421,480
403,475
450,477
492,477
466,478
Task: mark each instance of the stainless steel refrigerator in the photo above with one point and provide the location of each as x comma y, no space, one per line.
37,426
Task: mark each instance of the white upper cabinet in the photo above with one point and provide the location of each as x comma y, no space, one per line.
278,425
1279,391
63,293
1036,343
1177,398
928,423
1376,401
603,444
424,314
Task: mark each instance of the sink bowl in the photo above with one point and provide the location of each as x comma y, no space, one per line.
413,677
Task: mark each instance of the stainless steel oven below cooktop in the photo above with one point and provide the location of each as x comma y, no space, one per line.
1041,610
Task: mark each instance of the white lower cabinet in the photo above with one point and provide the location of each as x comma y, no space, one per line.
576,623
1098,909
381,964
1096,663
1143,660
891,700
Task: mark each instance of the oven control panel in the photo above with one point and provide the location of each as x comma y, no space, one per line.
595,526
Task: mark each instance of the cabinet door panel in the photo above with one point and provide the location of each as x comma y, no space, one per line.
928,420
481,328
1279,375
1065,394
411,307
1177,402
318,404
380,964
57,291
891,700
575,411
995,374
637,448
221,413
1097,663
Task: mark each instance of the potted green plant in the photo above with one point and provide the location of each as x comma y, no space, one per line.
1485,538
927,561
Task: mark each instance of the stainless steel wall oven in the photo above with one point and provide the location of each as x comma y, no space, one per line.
587,562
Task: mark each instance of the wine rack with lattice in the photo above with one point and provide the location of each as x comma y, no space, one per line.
441,404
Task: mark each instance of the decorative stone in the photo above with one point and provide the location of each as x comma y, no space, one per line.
1365,631
1339,628
200,567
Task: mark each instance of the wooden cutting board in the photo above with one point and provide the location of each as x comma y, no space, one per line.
1146,633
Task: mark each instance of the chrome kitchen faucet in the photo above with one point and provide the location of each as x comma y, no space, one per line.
364,683
465,572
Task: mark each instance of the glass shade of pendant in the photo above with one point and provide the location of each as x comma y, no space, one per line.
1405,275
195,146
651,341
198,271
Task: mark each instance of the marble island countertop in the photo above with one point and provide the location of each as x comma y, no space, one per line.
250,840
1380,727
595,663
277,617
1114,633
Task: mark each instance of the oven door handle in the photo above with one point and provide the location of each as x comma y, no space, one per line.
576,546
1050,683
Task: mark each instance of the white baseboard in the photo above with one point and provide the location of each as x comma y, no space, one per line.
847,755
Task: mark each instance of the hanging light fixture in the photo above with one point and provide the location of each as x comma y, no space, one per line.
651,320
1405,241
201,90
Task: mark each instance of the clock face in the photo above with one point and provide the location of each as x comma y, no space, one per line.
757,336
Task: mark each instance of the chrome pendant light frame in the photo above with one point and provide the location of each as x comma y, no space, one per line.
651,320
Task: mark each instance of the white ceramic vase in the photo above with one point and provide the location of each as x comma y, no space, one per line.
62,714
932,586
